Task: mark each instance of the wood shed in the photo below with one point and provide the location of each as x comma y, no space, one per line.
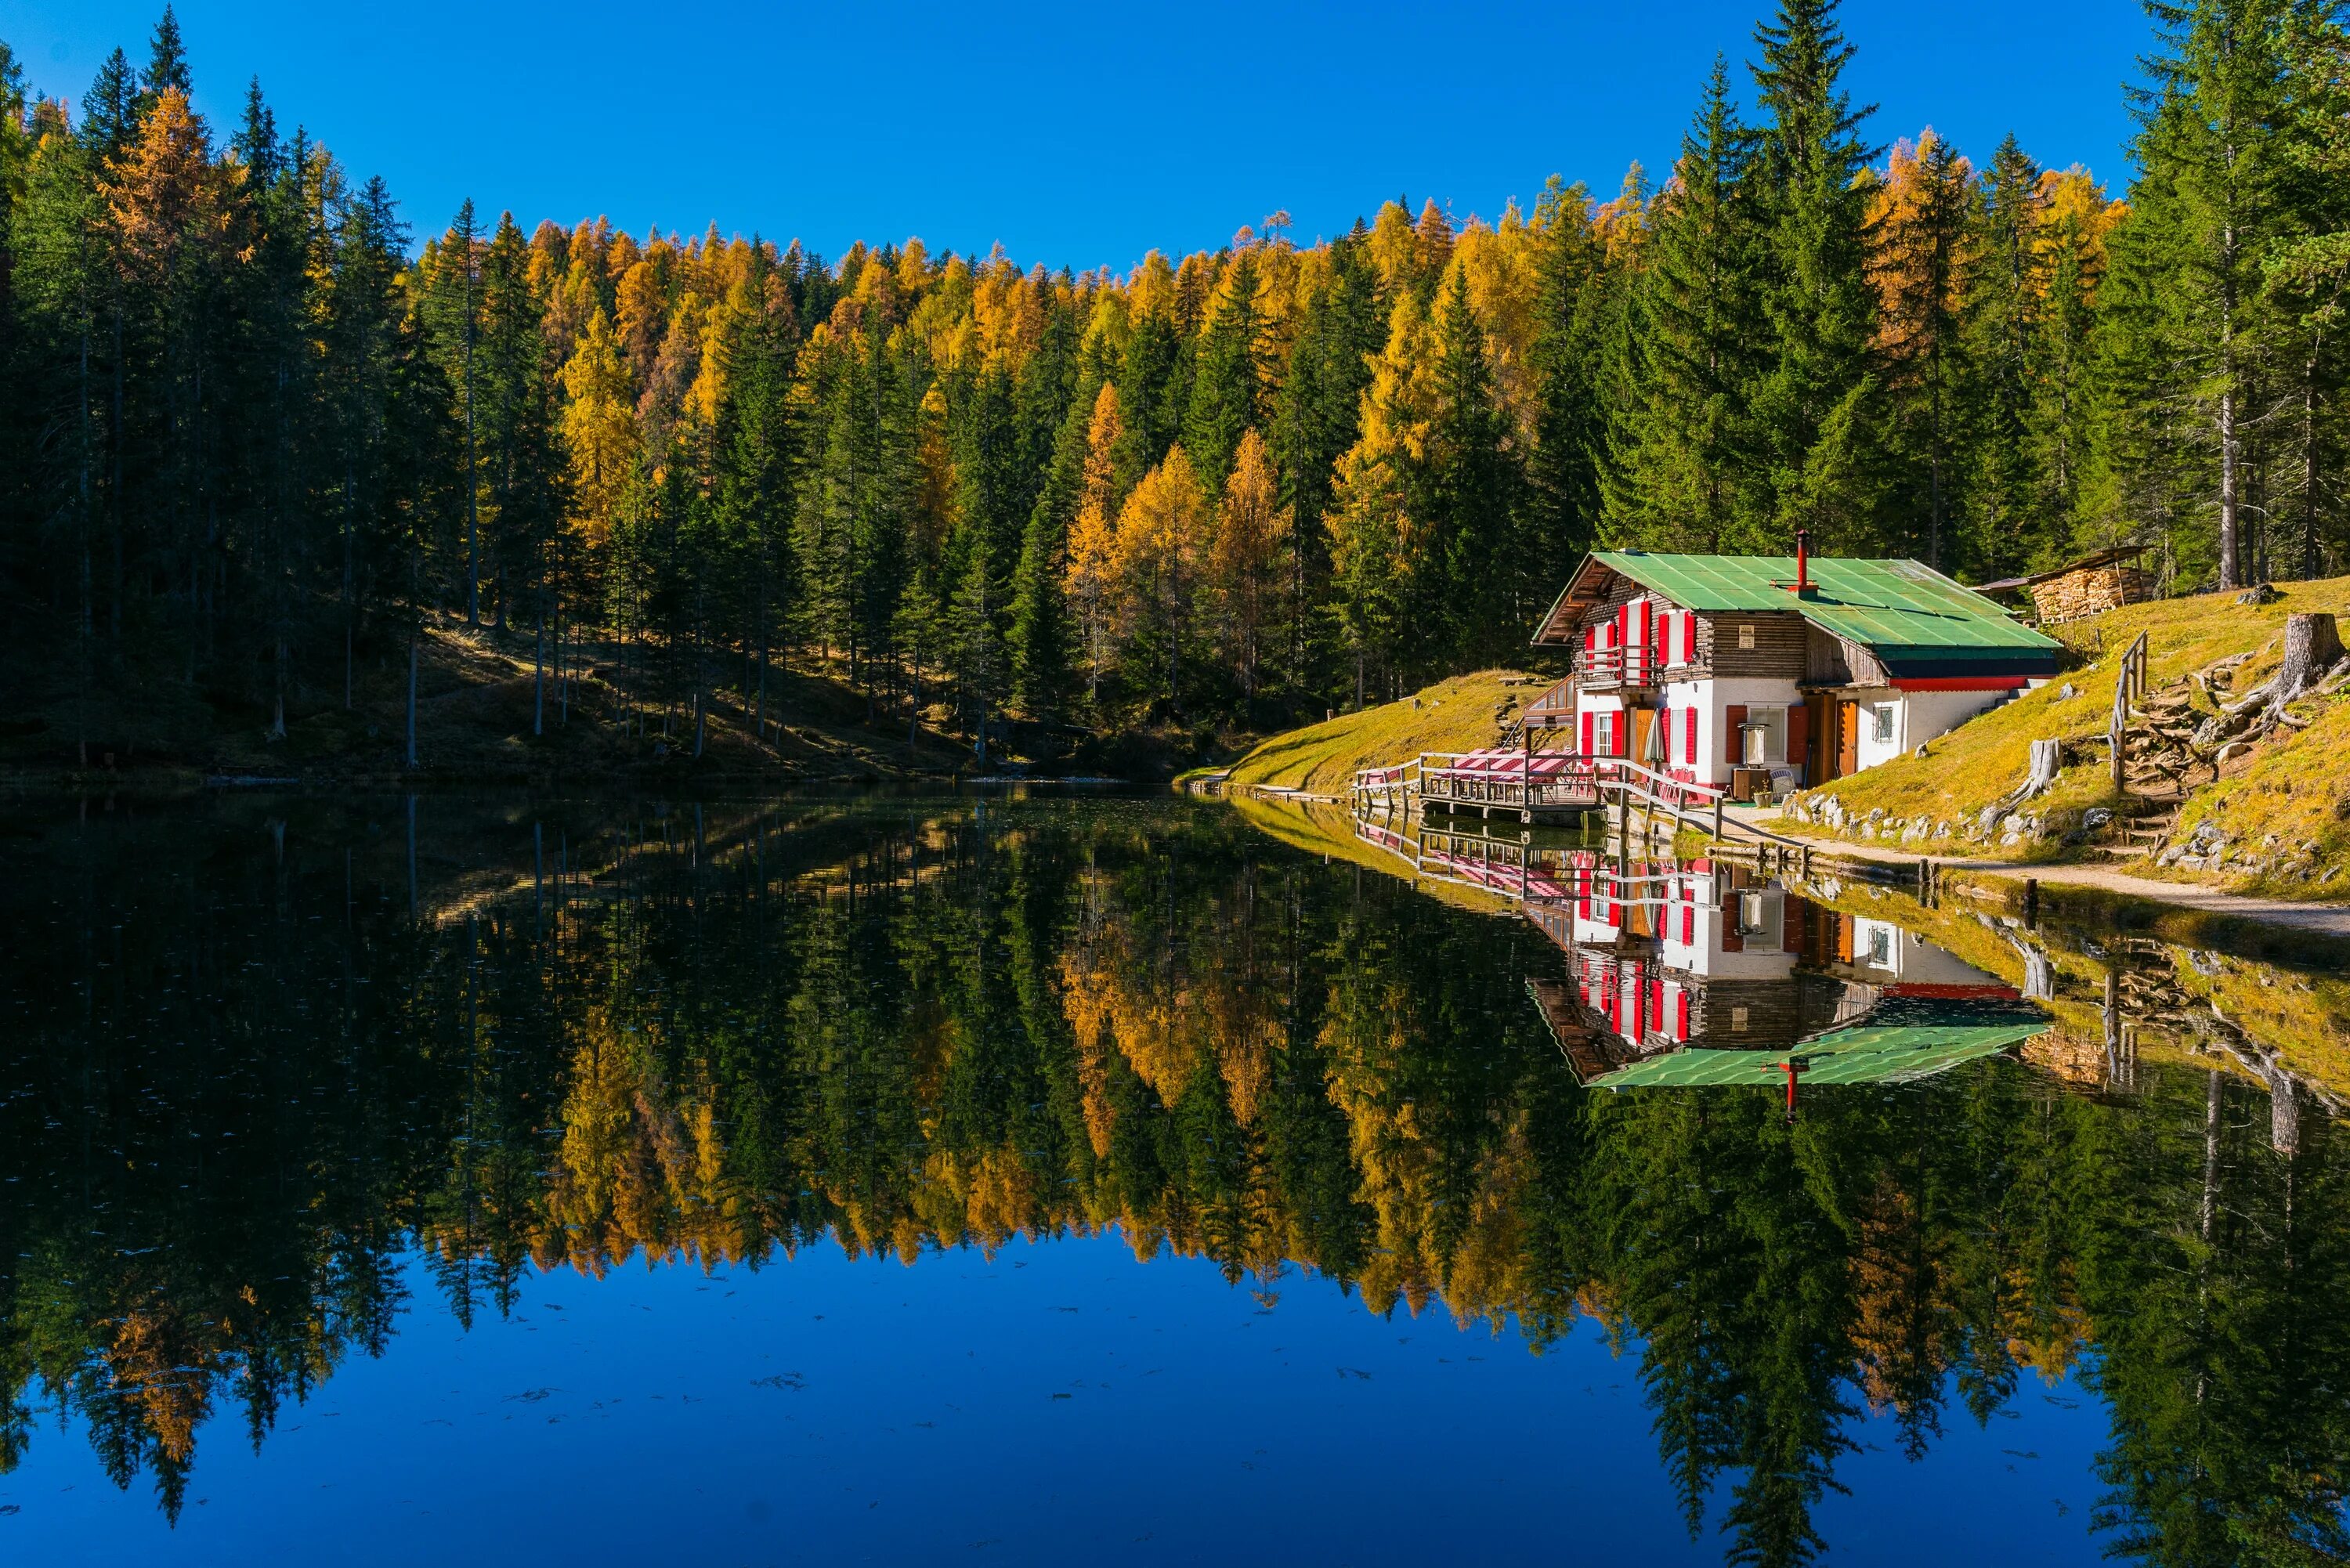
2093,584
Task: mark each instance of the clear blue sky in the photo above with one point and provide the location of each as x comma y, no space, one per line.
1076,135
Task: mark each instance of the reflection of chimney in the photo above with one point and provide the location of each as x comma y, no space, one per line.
1803,561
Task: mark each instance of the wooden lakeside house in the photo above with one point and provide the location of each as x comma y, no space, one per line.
1700,973
1772,671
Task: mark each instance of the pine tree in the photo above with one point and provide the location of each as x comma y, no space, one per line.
1812,405
2006,284
1232,376
1923,212
167,65
2190,350
1317,416
1038,637
1686,461
1467,605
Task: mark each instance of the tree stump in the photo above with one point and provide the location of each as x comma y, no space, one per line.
2313,646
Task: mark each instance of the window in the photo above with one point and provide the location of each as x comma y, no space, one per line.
1738,1021
1880,948
1884,712
1745,634
1765,737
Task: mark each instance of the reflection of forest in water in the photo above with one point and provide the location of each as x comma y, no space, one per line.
257,1052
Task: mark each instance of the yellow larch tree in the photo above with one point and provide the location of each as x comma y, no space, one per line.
1090,577
1253,531
1161,543
599,426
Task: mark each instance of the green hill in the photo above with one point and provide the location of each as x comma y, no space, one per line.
2279,811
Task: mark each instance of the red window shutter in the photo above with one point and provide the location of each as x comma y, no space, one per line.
1664,724
1732,739
1649,634
1620,731
1689,737
1586,732
1590,641
1799,734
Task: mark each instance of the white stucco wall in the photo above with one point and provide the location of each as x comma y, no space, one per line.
1930,713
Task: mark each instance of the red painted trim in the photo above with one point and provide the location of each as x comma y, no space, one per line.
1963,683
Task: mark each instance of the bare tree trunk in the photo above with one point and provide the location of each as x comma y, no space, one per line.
538,678
412,708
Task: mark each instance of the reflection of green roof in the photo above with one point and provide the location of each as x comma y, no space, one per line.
1890,608
1869,1053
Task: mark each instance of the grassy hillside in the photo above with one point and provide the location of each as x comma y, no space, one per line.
1455,715
2291,788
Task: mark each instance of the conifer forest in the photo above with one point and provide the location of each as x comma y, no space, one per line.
261,424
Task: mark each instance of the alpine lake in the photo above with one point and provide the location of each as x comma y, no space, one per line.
1054,1177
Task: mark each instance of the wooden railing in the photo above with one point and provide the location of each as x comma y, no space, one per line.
1630,664
2129,685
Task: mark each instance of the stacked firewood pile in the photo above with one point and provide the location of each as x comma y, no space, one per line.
2089,591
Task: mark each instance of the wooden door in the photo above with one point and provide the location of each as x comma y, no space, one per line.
1847,737
1644,726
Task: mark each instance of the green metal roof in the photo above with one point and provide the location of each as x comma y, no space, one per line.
1869,1053
1891,607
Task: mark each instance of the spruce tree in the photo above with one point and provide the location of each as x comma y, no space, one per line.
2008,510
1686,467
1231,374
1925,213
1468,607
1812,405
2190,345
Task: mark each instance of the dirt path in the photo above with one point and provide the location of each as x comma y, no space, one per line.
2329,920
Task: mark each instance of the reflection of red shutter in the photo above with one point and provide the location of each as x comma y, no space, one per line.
1799,733
1657,1005
1733,741
1688,923
1689,743
1680,1019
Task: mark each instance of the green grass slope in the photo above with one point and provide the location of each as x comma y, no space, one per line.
1455,715
2290,790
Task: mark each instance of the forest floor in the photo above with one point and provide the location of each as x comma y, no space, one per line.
2274,825
482,718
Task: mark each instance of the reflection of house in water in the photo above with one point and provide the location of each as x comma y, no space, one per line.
1703,972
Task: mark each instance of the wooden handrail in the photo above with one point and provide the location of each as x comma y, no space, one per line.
2129,685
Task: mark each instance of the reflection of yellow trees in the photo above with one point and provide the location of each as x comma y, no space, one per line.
166,1371
640,1165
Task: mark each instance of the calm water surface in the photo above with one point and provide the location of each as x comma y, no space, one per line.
1115,1181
